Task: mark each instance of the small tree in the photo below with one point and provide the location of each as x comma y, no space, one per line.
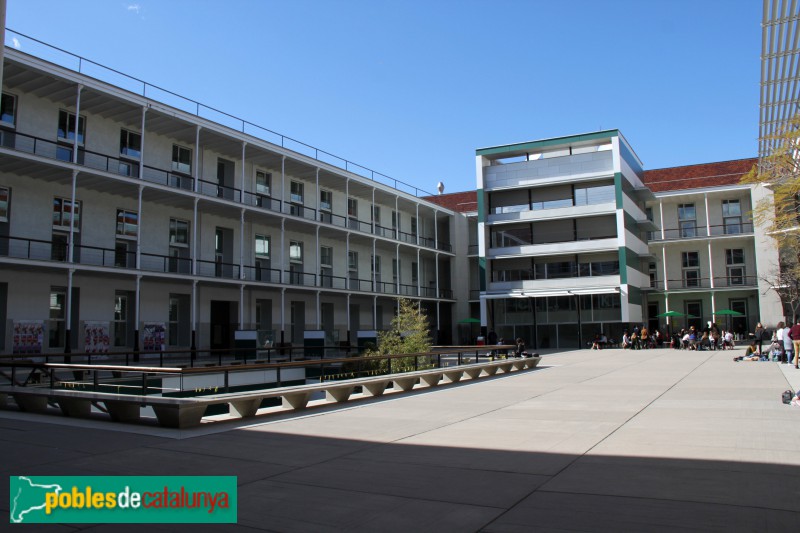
786,282
408,334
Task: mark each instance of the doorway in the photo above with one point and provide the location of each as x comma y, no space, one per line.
223,322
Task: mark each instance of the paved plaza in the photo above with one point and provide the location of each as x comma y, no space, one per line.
615,440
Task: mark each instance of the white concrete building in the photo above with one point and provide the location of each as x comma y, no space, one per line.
562,228
121,215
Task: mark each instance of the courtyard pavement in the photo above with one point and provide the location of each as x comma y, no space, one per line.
611,440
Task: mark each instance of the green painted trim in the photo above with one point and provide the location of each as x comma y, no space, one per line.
618,188
623,265
481,206
482,273
522,147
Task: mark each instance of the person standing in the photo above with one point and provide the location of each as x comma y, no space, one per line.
758,336
794,334
779,334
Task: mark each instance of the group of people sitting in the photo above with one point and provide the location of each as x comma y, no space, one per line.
781,348
641,339
711,338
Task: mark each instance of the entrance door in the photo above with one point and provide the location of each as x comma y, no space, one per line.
738,324
652,321
224,318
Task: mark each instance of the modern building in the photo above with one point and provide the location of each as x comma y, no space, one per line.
128,222
562,238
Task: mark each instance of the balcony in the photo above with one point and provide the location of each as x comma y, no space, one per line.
722,282
28,144
523,173
701,232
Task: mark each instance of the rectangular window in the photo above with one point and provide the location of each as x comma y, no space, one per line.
352,207
352,261
8,110
734,259
414,273
127,223
376,214
690,262
325,200
395,271
297,193
262,246
687,220
5,197
732,217
130,144
120,319
58,312
181,159
66,127
178,232
263,181
326,256
63,213
295,252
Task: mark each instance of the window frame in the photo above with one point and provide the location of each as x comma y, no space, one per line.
178,149
326,206
125,213
81,129
329,252
173,232
296,259
263,190
5,203
297,192
264,239
61,225
687,223
14,100
125,149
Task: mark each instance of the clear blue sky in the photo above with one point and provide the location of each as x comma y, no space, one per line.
411,88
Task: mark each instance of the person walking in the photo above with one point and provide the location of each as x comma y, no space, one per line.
794,334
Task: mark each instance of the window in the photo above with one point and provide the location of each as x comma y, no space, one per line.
262,246
58,313
296,192
653,275
414,273
120,319
326,256
414,226
691,269
263,181
395,221
687,221
352,261
325,200
732,217
352,212
181,159
588,196
8,110
66,127
295,252
63,213
376,214
5,195
127,223
178,232
734,259
130,144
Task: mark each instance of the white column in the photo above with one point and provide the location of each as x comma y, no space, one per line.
318,272
710,265
196,166
283,251
139,230
664,263
397,223
71,243
194,238
708,220
317,204
661,215
436,265
283,183
283,313
141,148
416,236
77,126
372,213
241,244
347,262
374,265
397,258
435,232
419,273
242,186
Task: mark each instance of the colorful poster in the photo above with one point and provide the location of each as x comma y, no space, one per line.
154,337
28,336
95,337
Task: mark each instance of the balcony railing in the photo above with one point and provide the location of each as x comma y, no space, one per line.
260,273
700,232
298,277
217,269
552,271
721,282
123,167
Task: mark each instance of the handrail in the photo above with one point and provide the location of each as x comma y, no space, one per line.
343,163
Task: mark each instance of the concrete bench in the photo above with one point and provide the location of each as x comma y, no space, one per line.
178,412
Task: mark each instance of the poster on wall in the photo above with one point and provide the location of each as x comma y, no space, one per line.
95,337
154,336
28,336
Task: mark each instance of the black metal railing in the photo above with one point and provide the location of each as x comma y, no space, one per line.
720,282
699,232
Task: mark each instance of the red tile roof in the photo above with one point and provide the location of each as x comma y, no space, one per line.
462,202
697,176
